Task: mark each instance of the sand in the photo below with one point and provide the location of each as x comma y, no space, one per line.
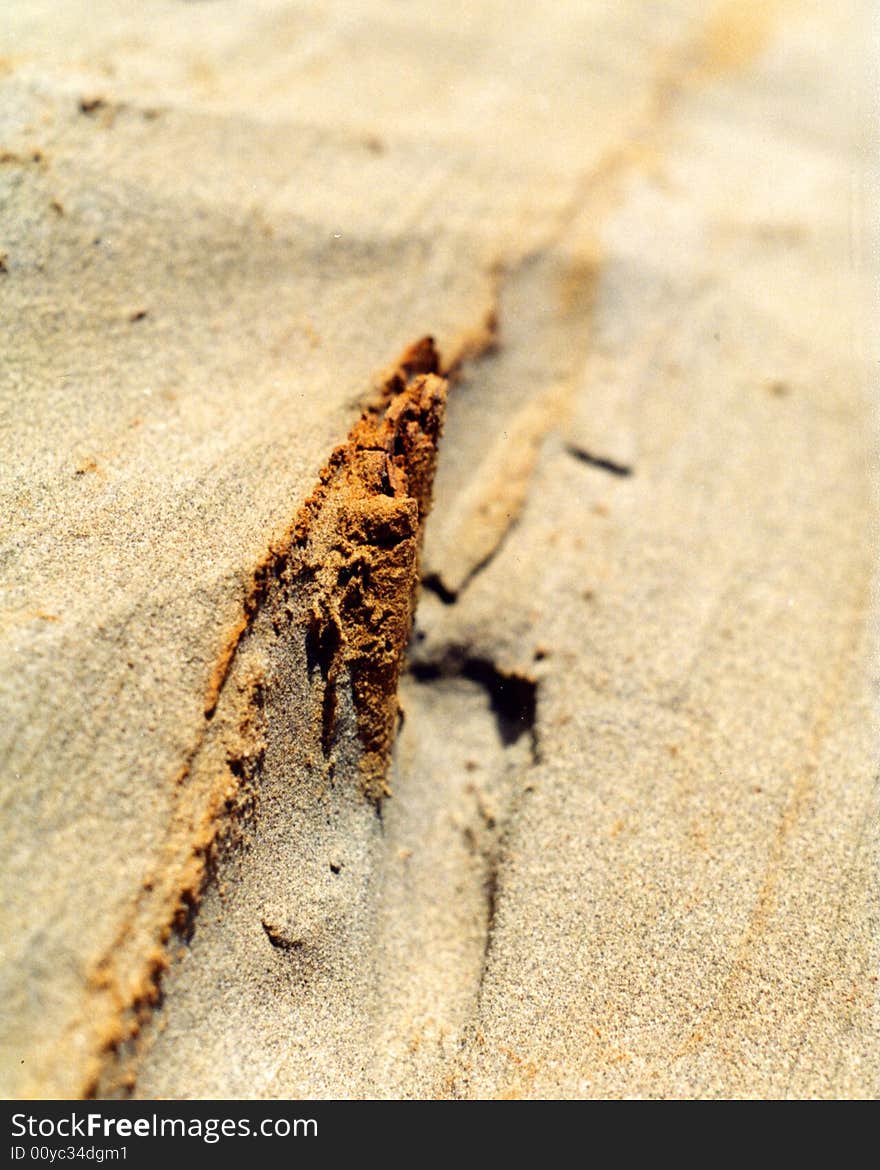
630,846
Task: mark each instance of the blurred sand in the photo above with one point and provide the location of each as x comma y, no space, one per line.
632,842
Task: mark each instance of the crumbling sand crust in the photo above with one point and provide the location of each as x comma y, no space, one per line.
610,828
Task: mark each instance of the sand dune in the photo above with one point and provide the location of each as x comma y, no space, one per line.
626,841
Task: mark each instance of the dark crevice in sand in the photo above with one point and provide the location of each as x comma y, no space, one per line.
512,696
490,889
277,935
434,584
610,465
493,552
323,644
491,905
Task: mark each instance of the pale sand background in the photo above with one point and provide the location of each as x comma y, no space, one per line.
669,885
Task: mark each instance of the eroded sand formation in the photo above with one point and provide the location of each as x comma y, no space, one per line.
601,818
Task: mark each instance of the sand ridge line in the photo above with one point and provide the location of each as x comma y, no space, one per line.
343,577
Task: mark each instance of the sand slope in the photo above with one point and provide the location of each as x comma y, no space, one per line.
632,843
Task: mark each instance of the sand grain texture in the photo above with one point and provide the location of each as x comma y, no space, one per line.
631,841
